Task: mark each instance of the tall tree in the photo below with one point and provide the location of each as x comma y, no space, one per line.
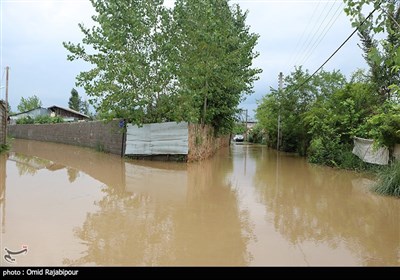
383,54
130,74
29,103
148,59
75,101
215,54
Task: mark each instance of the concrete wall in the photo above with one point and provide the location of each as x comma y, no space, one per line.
202,142
3,121
98,135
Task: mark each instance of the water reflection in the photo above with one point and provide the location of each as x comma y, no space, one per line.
170,214
3,174
323,205
151,213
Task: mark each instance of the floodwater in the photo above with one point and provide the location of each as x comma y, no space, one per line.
247,206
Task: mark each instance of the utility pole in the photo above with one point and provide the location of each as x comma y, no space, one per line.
246,126
6,114
278,137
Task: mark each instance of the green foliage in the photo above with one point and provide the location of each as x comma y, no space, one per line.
48,119
239,128
100,147
256,134
389,181
29,103
293,105
3,148
75,101
40,120
383,54
25,120
154,64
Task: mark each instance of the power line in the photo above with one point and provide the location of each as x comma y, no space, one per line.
329,58
322,35
294,55
310,44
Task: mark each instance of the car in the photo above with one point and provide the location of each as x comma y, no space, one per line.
238,138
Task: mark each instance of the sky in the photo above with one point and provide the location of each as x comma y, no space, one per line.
292,32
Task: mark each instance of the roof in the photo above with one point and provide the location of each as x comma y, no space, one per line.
27,111
68,110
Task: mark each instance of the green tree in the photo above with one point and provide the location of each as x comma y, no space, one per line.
148,59
85,108
214,62
383,57
75,101
29,103
383,54
300,94
129,50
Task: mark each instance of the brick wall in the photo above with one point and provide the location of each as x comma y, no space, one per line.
98,135
2,123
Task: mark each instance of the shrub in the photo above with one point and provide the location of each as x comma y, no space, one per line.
40,120
25,120
389,181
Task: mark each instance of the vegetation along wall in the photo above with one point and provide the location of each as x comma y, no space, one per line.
2,124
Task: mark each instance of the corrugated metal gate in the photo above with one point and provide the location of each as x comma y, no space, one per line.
169,138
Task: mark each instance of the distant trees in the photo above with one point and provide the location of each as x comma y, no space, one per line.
29,103
153,64
75,101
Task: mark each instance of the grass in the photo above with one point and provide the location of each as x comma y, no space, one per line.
389,181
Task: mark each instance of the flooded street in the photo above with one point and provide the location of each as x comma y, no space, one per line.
244,207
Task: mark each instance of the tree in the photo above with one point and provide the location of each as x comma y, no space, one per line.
85,108
131,72
382,55
75,101
148,59
215,54
30,103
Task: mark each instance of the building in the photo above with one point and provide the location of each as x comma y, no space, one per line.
3,123
68,115
31,114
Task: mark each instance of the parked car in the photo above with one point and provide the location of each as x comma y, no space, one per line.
238,138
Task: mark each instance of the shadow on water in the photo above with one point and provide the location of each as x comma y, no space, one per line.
152,213
313,203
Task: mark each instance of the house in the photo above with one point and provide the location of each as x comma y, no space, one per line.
68,115
31,114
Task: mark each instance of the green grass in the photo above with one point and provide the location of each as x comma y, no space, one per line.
389,181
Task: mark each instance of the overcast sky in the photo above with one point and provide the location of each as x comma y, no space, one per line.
292,32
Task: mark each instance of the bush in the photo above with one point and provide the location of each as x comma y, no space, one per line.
256,135
25,120
40,120
48,119
389,181
325,151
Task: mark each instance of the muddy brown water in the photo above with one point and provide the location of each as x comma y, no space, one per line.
247,206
